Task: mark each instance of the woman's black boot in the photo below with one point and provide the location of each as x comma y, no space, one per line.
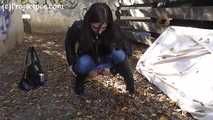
79,84
124,70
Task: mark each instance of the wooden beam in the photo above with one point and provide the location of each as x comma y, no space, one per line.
194,13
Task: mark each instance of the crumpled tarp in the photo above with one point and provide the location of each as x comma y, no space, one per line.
179,63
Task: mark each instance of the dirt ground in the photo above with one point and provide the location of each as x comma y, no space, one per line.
104,98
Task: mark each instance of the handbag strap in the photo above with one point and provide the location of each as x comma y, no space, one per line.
35,58
31,56
26,61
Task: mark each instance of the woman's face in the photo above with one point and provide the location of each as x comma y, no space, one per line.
98,27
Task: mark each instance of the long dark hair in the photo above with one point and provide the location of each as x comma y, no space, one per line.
98,12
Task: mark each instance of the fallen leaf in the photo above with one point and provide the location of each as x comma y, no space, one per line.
124,109
163,118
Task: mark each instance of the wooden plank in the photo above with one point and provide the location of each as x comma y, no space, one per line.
195,13
141,8
141,19
191,13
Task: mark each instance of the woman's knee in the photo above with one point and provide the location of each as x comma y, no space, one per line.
118,56
84,64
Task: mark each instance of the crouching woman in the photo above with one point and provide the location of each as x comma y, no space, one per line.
96,43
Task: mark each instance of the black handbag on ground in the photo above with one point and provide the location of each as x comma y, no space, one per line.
33,75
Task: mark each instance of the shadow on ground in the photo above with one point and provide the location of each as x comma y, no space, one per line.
56,101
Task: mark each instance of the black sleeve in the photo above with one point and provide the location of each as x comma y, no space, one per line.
70,43
123,40
127,45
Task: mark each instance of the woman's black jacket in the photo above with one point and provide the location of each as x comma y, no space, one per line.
73,49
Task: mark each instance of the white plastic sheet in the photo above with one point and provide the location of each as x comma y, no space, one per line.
180,64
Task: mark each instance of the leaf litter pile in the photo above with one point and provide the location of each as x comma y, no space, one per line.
104,98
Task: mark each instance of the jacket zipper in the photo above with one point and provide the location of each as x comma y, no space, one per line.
96,49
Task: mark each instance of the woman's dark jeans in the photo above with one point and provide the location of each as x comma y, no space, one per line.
86,64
